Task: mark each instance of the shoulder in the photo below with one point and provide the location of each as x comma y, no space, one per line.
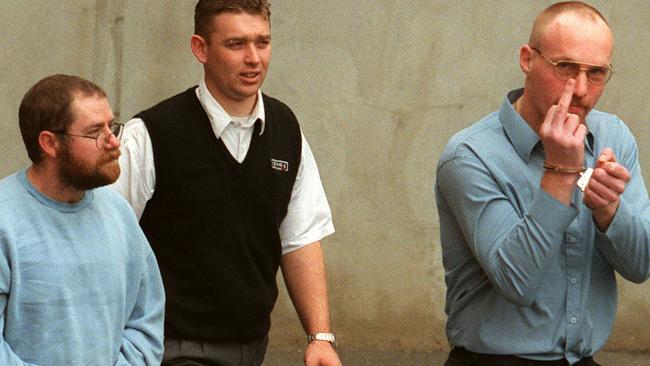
275,108
272,102
603,122
110,199
9,186
113,208
180,100
280,117
12,193
487,131
609,129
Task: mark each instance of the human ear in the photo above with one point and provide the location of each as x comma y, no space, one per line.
199,48
525,58
49,144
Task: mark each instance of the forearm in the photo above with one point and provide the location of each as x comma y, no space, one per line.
306,280
514,235
8,357
518,263
626,244
559,186
142,337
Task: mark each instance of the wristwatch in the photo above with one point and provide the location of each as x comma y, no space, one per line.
326,337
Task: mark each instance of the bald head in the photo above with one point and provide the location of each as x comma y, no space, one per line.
556,11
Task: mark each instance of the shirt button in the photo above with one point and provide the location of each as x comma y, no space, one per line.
572,239
573,320
573,280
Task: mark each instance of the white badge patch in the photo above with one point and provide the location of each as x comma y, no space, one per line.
280,165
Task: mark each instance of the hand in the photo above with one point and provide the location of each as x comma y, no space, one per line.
562,134
321,353
604,190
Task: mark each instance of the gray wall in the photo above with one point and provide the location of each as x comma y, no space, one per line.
379,87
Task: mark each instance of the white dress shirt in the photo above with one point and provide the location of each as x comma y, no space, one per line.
309,217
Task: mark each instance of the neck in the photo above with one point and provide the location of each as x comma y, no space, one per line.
234,107
44,178
522,107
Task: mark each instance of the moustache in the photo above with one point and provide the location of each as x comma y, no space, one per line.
112,156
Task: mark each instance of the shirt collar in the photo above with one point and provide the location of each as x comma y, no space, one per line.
522,137
219,118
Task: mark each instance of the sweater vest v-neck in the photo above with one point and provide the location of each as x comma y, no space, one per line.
213,222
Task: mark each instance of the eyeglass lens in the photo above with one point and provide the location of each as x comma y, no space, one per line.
596,74
116,130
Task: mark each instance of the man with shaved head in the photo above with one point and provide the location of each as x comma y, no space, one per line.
541,203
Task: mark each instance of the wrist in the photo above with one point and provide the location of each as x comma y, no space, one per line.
322,337
556,168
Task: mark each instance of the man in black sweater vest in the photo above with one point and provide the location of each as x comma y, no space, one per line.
227,191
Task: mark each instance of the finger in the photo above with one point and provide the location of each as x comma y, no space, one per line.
572,122
548,120
606,155
565,101
608,190
615,171
593,200
580,131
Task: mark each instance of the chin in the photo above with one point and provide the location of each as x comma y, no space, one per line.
112,173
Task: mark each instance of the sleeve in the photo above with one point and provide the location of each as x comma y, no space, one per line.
142,340
626,244
514,246
309,218
7,356
137,179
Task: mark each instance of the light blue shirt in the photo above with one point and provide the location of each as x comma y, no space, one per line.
79,284
525,274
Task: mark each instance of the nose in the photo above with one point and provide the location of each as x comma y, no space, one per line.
252,54
582,84
113,142
109,141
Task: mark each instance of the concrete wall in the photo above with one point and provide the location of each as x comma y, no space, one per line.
379,86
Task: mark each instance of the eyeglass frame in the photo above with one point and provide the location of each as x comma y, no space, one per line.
581,67
118,136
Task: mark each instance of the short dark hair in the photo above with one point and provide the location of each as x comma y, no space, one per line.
46,107
206,10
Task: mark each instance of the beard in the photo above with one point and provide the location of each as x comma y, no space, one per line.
82,176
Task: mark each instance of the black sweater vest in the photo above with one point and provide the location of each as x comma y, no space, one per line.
213,222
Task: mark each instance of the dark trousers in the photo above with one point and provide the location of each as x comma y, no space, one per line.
462,357
192,353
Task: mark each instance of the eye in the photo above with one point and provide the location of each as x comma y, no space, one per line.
235,44
264,43
598,71
94,132
567,66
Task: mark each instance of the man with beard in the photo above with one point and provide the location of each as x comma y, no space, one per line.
228,191
79,284
541,204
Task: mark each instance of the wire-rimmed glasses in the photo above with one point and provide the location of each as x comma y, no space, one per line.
565,70
103,137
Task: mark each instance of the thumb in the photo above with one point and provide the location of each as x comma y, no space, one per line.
607,155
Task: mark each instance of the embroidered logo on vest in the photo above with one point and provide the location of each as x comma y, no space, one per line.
280,165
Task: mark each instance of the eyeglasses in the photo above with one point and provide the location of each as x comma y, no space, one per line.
102,138
565,70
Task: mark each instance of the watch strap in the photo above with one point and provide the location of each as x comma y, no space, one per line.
326,337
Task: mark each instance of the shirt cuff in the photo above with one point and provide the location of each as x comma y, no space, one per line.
619,227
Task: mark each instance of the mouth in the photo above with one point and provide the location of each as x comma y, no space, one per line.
576,109
112,157
250,77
